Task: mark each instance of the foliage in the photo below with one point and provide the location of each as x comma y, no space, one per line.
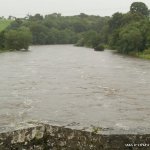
4,23
115,22
127,33
2,40
95,36
139,8
39,33
130,39
145,54
57,29
99,47
18,39
85,30
88,39
130,32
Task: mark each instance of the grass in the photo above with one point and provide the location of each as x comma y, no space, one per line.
145,54
4,23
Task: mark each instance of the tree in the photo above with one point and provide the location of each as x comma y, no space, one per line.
147,40
115,22
36,17
39,32
2,40
130,39
18,39
16,24
89,39
79,26
139,8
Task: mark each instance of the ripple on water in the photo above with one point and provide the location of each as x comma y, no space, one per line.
72,84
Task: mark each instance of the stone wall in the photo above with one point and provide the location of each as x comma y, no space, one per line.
47,137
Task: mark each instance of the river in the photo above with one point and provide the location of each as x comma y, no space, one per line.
77,86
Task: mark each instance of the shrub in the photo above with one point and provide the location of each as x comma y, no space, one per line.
18,39
99,47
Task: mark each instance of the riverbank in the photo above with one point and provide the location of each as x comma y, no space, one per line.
44,136
145,54
4,50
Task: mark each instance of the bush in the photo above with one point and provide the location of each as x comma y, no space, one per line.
100,47
130,39
18,39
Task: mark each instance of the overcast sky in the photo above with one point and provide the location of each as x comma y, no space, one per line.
21,8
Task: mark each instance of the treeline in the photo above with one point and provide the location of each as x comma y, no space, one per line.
51,29
127,33
130,32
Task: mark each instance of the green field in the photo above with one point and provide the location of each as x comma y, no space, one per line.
4,24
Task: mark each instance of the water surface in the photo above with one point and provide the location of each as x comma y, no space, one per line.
72,85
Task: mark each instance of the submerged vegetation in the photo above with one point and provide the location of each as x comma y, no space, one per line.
99,47
127,33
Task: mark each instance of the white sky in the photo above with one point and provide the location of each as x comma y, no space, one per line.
21,8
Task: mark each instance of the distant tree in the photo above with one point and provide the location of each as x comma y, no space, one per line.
36,17
52,36
115,22
130,39
113,41
129,18
17,23
79,26
148,41
82,15
18,39
39,33
147,38
2,40
50,23
89,39
139,8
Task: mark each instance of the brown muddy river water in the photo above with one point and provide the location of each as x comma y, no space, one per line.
77,86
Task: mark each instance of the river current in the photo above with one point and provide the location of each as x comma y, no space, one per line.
77,86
